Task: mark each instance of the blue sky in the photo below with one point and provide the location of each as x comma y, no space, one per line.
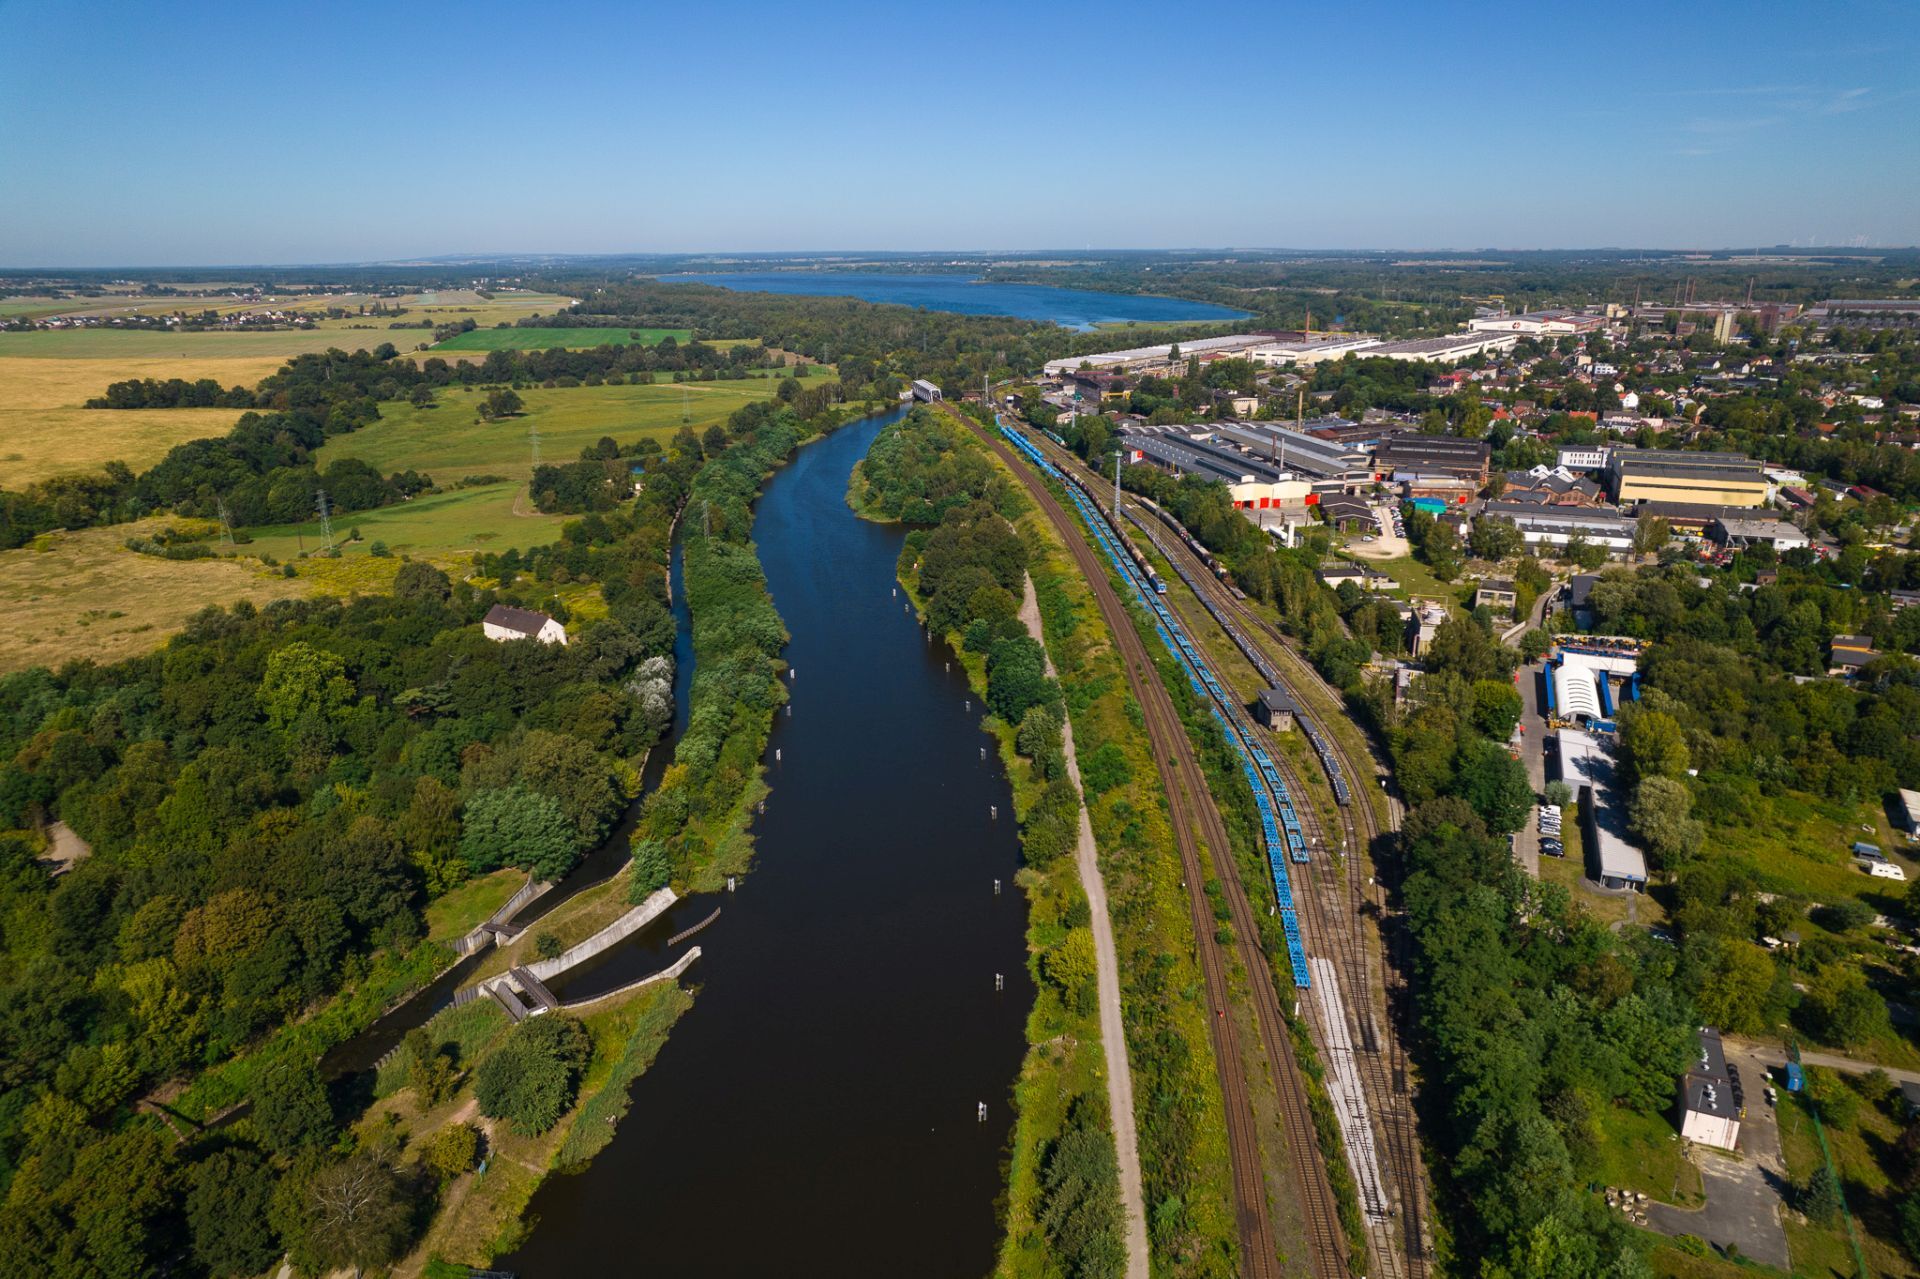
186,133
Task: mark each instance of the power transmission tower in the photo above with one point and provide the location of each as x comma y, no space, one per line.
326,520
533,437
226,520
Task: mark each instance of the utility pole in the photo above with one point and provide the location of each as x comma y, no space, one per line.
326,521
1117,451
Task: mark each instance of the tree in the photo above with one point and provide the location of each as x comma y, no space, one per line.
1534,644
419,580
1559,794
1496,708
303,683
651,868
290,1107
1844,1009
1650,533
1070,966
1496,785
358,1214
1735,981
229,1194
529,1080
1080,1198
1495,539
1820,1196
515,826
452,1151
504,402
1660,812
1652,745
430,1072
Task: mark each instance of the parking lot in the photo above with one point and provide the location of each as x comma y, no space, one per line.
1746,1191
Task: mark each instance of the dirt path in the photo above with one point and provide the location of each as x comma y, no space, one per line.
1113,1033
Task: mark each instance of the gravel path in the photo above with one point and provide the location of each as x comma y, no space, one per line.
1113,1034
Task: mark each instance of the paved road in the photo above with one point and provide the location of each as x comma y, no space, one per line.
1113,1033
1535,616
1745,1196
1770,1055
1532,754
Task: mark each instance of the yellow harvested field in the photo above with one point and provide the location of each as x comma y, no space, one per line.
45,432
84,594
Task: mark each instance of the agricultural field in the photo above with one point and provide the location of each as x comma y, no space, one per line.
449,441
122,346
45,432
85,595
518,339
444,527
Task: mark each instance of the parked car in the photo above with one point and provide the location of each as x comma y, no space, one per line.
1552,848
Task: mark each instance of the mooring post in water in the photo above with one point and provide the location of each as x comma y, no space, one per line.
983,752
947,667
983,1112
993,810
999,981
730,883
776,754
996,888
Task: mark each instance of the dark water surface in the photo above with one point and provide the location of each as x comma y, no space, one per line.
814,1114
1074,308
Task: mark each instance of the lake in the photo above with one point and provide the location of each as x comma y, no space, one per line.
966,295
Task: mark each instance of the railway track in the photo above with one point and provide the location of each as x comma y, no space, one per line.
1334,913
1193,810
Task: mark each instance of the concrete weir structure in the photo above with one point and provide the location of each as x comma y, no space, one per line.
520,984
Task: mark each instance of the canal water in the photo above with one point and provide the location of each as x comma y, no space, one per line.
816,1111
357,1057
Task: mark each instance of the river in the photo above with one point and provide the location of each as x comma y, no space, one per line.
815,1113
967,295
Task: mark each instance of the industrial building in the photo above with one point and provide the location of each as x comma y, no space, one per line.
1496,593
1412,455
1710,1097
1583,457
1252,483
1696,517
1138,358
1539,323
1581,684
1733,533
1726,479
1304,350
1613,861
1329,466
1558,525
1450,349
1276,709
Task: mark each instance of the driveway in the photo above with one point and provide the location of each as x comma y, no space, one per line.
1526,845
1745,1193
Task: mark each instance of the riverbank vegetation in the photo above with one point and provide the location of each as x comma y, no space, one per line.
963,562
271,801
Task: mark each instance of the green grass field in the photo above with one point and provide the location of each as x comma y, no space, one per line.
529,339
140,344
491,517
449,441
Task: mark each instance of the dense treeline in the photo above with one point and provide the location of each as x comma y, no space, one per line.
270,801
262,470
693,828
966,562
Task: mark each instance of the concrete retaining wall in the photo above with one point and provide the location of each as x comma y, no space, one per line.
619,930
665,974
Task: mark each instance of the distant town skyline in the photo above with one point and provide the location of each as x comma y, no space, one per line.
201,134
